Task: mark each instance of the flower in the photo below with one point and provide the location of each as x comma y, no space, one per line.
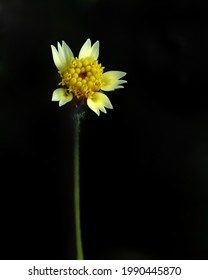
83,77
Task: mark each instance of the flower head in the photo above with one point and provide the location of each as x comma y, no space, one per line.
83,77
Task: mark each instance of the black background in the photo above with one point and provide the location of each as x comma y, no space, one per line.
144,165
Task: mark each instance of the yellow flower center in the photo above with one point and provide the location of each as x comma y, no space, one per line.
82,77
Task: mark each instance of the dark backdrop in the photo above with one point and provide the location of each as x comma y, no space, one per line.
144,165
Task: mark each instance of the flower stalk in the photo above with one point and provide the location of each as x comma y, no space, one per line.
79,250
83,80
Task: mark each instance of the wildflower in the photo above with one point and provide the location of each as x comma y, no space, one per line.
83,77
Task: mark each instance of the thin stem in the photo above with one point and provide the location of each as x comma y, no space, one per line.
79,250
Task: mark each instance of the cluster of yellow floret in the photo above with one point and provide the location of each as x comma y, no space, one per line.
82,77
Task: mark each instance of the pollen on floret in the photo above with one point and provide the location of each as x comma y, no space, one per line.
71,71
88,68
72,81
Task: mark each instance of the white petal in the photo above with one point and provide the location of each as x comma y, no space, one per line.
62,96
65,100
102,109
85,49
93,106
110,80
95,50
63,56
121,82
61,53
57,94
56,57
99,102
68,54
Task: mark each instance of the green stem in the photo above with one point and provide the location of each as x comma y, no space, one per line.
79,250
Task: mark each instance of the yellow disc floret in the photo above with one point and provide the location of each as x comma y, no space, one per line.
82,77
